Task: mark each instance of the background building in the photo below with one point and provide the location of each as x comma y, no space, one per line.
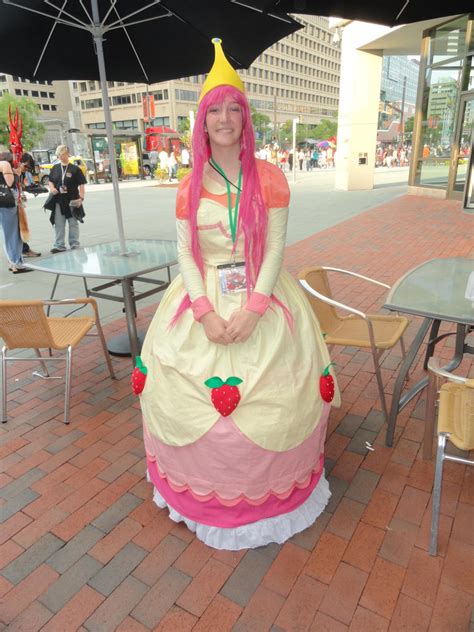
398,89
297,76
53,99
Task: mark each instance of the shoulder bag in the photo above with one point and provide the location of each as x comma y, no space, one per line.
7,199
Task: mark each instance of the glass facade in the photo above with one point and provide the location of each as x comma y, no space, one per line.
443,134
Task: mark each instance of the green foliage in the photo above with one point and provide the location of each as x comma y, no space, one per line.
183,125
408,126
325,129
161,174
261,124
33,131
182,171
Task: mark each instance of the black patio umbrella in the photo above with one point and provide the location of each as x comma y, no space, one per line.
391,13
143,41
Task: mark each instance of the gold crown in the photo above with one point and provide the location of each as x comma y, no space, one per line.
221,73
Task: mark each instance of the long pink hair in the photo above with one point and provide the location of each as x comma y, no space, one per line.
253,216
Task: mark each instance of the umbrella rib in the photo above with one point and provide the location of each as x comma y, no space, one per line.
84,8
46,15
61,10
133,48
402,9
119,26
147,6
112,5
271,15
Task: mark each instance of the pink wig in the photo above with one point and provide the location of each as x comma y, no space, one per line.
252,220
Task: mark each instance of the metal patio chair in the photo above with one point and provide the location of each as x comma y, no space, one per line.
24,325
455,424
377,332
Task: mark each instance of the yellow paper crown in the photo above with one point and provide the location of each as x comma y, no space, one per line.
221,73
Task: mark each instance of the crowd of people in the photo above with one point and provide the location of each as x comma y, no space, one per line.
307,158
170,161
392,155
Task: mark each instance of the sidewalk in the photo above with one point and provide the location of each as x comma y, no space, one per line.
83,547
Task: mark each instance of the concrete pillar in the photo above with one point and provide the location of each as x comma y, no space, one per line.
359,96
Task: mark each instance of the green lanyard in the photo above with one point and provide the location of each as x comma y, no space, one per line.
233,214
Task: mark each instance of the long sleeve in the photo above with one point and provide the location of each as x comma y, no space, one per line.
192,278
272,261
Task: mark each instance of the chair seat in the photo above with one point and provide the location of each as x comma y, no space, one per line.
352,331
69,331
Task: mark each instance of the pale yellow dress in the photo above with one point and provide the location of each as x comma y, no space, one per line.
255,476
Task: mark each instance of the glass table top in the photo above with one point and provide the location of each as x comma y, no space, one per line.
105,261
440,289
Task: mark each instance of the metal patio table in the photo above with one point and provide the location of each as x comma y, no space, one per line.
439,290
104,261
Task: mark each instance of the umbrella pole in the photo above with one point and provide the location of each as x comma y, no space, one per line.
98,39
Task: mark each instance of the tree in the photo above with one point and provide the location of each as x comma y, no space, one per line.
286,133
325,129
183,125
33,130
261,124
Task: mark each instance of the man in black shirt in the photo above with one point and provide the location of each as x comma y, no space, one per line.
66,183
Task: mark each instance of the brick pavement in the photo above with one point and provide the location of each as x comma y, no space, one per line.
82,546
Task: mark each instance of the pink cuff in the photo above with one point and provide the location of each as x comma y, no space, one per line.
201,306
258,303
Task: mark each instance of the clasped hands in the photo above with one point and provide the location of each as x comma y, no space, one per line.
238,328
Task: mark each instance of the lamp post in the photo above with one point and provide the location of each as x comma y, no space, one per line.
295,121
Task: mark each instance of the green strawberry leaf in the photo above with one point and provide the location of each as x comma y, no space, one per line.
139,365
214,382
326,370
233,381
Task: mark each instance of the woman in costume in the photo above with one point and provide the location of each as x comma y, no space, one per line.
234,422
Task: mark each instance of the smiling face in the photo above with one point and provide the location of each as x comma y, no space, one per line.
224,124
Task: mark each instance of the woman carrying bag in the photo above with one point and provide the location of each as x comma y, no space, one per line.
12,242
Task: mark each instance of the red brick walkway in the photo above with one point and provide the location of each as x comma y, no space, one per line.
83,547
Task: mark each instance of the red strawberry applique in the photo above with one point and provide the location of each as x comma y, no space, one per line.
326,385
225,395
139,376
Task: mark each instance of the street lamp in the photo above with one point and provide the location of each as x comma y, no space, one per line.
295,121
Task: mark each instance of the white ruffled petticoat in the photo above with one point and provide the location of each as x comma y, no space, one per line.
250,536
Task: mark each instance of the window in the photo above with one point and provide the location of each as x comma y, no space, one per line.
110,84
34,93
3,77
44,95
54,108
52,95
128,124
91,85
123,99
89,104
95,125
45,106
76,100
83,86
74,85
15,78
186,95
25,93
18,92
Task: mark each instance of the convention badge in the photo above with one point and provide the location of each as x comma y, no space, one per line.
68,175
232,277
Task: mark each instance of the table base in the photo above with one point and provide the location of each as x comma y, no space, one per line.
120,345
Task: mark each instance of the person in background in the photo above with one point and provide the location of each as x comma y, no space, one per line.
153,155
12,243
185,158
66,183
301,159
27,166
163,156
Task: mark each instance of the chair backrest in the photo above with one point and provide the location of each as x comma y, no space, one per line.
23,325
456,413
318,280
